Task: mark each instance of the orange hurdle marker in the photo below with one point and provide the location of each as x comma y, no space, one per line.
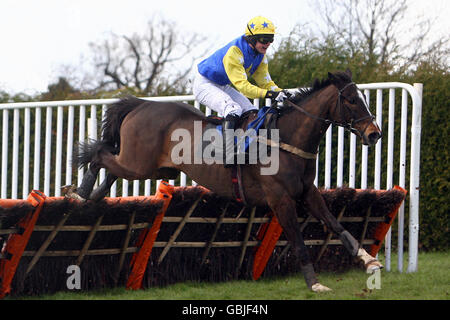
17,242
383,227
271,233
147,238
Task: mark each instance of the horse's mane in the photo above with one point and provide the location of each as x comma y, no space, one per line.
318,84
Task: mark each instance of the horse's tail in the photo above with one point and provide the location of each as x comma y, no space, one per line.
114,117
89,151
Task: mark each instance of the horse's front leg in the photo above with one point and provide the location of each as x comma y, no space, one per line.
316,206
284,207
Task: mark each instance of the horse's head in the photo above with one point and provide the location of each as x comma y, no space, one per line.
352,111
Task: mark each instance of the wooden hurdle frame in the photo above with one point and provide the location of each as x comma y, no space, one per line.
267,237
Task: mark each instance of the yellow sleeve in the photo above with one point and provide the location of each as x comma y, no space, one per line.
233,62
262,76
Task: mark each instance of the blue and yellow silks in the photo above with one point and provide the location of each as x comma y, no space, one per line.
234,63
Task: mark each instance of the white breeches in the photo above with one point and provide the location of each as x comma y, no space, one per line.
224,100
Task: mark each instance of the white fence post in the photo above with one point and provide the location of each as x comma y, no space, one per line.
390,169
5,136
37,148
328,146
416,128
59,147
48,149
340,158
69,150
402,175
364,152
81,135
15,155
26,154
378,146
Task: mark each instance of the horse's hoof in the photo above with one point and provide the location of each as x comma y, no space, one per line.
373,266
69,192
370,263
67,189
317,287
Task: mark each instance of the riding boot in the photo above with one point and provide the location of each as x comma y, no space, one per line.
229,150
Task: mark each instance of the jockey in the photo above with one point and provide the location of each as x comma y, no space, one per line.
222,79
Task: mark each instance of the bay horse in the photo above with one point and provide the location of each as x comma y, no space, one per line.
136,144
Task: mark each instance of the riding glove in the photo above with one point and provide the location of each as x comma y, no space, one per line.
291,92
278,96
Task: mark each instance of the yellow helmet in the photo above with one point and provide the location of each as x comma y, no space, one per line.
259,25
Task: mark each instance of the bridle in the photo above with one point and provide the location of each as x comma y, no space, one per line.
346,125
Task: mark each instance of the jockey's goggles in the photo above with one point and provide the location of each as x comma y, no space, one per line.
264,38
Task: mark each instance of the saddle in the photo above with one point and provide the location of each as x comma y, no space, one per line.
253,119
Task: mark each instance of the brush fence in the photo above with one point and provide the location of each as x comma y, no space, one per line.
202,237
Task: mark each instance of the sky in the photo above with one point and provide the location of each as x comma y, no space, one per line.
37,37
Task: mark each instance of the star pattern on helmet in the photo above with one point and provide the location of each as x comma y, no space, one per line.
252,26
265,25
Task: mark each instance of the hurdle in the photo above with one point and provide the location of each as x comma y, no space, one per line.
179,234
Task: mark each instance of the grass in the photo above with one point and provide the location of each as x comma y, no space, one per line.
431,282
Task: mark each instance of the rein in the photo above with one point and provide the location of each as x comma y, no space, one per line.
308,155
347,126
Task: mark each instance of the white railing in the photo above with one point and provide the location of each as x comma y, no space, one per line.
77,120
415,93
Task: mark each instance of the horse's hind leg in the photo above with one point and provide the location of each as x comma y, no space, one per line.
100,192
317,208
90,153
87,184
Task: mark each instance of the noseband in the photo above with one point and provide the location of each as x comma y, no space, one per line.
346,125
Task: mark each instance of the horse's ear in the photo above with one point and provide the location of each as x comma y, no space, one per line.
349,72
332,78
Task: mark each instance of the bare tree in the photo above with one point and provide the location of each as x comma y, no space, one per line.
376,25
148,62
